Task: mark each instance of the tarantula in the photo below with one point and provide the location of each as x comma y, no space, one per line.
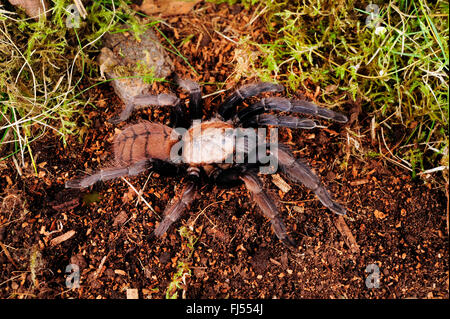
205,146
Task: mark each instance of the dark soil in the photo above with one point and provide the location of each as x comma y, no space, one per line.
395,228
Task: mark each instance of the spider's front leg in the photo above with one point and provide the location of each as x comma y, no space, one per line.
300,172
228,108
254,185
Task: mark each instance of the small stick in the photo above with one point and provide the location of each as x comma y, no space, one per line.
8,255
204,209
345,231
140,196
99,271
80,8
58,240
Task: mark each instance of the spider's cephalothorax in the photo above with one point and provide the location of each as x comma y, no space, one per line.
205,148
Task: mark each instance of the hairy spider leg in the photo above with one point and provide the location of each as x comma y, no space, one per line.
155,165
267,206
298,171
251,114
247,173
284,121
146,100
251,117
108,173
195,97
175,210
228,109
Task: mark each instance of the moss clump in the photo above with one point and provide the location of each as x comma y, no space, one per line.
392,56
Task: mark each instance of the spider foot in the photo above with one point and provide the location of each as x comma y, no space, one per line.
77,183
289,242
115,120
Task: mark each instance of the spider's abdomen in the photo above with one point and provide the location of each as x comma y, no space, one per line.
208,142
144,141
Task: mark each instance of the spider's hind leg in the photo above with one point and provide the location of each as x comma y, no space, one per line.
107,174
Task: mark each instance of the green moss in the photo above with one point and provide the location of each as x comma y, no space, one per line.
43,64
178,280
399,70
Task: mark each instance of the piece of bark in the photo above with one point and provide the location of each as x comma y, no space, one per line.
33,8
349,239
120,219
281,183
58,240
166,7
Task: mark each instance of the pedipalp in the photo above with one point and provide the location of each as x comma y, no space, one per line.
196,102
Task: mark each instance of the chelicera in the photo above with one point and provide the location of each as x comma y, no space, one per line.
207,147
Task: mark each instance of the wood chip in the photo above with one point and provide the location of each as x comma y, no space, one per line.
58,240
281,183
120,272
132,293
275,262
67,205
359,182
120,219
100,268
8,180
299,209
349,239
379,215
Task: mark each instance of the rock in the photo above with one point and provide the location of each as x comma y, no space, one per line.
125,56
